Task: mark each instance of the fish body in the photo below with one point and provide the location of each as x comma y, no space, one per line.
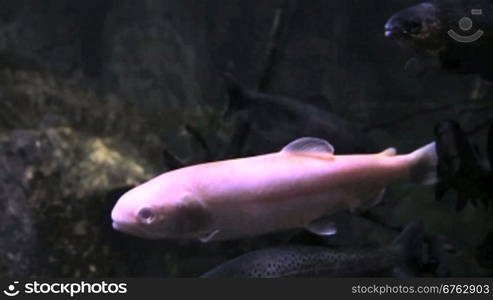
400,258
261,194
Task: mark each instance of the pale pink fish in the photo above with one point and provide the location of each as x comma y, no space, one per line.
296,187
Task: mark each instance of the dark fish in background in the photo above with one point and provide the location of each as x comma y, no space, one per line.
440,251
425,28
484,253
418,27
401,259
460,166
277,120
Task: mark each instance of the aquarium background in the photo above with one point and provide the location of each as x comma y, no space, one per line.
99,96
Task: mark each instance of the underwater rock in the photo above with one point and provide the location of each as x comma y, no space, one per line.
23,159
49,182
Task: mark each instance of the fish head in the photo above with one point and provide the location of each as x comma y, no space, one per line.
157,212
417,27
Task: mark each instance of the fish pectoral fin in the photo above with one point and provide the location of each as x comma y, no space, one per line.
310,145
376,200
191,216
207,237
324,226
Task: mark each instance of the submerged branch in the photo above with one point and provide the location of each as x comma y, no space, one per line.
272,50
238,139
171,161
201,140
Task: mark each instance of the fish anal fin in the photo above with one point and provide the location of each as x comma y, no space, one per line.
324,226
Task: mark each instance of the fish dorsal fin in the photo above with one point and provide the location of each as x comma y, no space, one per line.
389,152
309,144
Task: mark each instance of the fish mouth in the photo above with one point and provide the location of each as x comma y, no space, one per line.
389,33
117,226
136,230
392,31
122,227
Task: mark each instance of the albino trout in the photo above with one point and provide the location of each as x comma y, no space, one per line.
296,187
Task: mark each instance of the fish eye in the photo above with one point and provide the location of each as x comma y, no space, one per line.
414,27
146,215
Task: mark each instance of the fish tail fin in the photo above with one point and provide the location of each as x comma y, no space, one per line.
424,161
410,243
